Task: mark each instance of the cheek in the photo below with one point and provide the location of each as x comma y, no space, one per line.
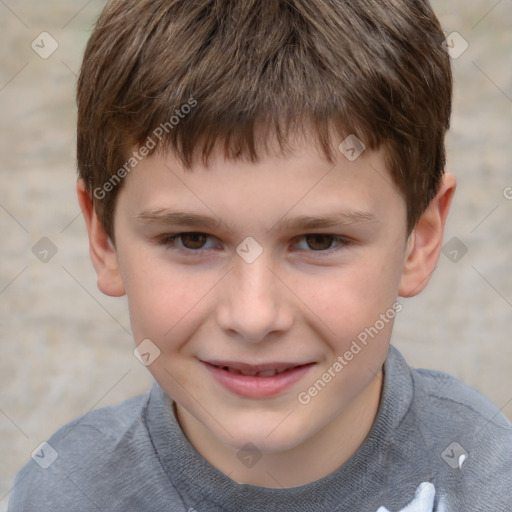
349,299
165,305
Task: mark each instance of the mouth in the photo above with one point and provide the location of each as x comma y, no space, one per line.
268,370
257,381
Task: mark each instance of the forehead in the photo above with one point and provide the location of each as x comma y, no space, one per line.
279,191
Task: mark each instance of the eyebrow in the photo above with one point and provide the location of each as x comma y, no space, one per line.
341,218
299,223
168,217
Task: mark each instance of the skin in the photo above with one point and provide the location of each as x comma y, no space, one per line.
303,300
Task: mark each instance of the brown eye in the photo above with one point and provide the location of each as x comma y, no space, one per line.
319,242
193,240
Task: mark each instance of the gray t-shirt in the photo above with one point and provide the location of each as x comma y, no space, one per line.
436,446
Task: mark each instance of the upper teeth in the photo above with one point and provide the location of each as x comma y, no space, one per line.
253,373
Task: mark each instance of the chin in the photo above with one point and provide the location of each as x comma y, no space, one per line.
271,436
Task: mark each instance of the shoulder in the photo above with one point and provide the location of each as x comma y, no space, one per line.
443,394
434,395
75,467
469,439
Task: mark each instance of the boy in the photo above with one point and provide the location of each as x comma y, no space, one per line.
221,145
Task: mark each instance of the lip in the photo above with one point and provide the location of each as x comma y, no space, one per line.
254,386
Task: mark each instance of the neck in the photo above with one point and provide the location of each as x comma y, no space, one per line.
312,460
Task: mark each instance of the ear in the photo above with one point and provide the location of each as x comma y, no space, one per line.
102,250
426,240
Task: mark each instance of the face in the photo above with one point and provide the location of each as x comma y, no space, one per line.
267,287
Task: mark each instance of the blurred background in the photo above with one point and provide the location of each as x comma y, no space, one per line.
66,348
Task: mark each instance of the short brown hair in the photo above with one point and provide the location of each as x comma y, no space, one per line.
258,69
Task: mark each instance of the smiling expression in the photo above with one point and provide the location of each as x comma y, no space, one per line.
241,335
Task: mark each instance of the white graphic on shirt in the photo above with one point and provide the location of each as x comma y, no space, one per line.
423,500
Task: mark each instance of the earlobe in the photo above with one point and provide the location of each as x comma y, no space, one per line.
425,243
102,251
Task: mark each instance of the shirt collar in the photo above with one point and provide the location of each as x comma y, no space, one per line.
201,485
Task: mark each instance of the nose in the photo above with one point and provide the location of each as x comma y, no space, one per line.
255,303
